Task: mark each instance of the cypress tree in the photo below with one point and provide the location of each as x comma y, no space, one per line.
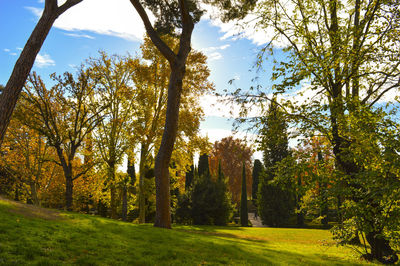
203,167
243,202
189,177
257,169
274,199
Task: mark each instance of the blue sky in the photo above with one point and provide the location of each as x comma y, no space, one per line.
114,27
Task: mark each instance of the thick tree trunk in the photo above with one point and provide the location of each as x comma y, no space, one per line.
142,201
12,90
161,168
380,249
113,203
124,202
23,66
69,186
34,195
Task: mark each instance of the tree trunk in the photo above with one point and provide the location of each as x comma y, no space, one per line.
34,195
69,186
161,168
12,90
113,203
142,201
380,248
124,202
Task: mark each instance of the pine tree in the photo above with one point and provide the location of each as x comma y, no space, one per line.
203,166
243,202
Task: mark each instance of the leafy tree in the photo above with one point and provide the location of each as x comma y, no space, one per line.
151,83
230,153
13,88
111,75
181,14
63,116
244,219
28,158
257,169
348,53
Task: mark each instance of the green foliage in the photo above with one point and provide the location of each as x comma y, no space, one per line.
207,201
257,169
275,199
275,202
203,166
189,177
244,216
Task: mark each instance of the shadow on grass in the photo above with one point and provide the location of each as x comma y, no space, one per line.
88,240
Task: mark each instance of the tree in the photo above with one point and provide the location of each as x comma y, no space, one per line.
181,14
151,85
27,157
189,177
203,167
244,219
257,169
274,199
112,77
12,90
63,116
206,202
231,153
348,54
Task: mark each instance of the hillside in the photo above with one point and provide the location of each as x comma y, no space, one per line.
36,236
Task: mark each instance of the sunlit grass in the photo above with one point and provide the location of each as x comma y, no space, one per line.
88,240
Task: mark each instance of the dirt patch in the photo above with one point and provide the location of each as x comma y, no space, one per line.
31,211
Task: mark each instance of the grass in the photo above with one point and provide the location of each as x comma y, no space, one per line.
35,238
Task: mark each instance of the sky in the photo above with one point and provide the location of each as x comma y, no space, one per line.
114,26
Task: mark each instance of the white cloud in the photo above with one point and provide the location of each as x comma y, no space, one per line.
6,50
215,48
44,60
19,48
115,18
214,56
13,54
246,28
213,53
77,35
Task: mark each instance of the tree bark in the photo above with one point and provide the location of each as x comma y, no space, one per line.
69,187
12,90
177,65
124,202
142,202
161,167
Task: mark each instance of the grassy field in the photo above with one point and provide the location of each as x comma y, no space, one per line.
37,236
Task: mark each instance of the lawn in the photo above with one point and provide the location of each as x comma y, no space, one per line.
34,236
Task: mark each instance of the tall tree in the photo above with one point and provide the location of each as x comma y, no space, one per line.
231,153
112,77
257,169
348,52
203,165
63,116
12,90
151,85
170,16
244,216
274,198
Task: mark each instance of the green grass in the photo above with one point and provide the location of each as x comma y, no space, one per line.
88,240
